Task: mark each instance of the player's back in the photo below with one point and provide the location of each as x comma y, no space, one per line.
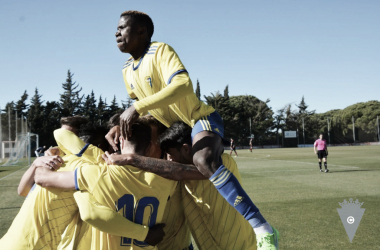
214,223
140,196
44,216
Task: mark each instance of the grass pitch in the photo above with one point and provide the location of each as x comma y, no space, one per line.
289,190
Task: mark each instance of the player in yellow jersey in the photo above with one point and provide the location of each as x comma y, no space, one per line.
141,197
213,222
46,215
156,77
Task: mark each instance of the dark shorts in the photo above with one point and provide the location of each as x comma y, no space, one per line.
322,154
212,122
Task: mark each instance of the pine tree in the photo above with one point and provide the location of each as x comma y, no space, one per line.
89,107
51,122
70,101
101,110
114,107
21,107
198,90
35,114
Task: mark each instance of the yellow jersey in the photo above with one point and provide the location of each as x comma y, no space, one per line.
213,222
177,232
160,82
139,196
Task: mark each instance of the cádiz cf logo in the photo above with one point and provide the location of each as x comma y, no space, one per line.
148,79
351,214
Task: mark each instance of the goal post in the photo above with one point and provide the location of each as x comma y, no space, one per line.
20,149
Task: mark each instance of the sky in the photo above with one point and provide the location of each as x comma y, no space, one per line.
325,50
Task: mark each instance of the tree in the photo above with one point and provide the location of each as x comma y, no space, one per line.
21,107
127,103
70,101
101,110
89,107
35,114
304,124
51,121
198,90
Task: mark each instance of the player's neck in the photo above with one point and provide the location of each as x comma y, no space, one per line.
140,50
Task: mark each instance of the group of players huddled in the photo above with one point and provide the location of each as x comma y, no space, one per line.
165,181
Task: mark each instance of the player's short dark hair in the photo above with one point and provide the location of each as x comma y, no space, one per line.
154,122
141,134
74,121
142,19
114,120
175,136
94,134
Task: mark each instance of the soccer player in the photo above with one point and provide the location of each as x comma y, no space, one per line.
250,145
320,149
156,77
46,217
140,196
233,147
213,222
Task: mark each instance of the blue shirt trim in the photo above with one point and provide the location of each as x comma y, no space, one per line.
75,179
146,50
176,73
82,150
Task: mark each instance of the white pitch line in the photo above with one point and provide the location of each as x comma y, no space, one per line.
13,173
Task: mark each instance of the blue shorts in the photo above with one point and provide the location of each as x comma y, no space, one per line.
212,122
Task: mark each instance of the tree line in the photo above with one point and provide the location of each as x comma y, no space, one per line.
244,116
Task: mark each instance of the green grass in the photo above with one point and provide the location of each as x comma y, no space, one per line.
291,193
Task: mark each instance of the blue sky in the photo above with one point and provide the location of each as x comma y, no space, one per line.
325,50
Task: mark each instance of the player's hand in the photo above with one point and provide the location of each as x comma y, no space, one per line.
113,137
116,159
52,151
50,162
155,235
127,119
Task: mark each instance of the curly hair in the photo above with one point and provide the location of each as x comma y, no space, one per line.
142,19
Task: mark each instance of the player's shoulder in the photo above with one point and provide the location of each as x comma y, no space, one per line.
128,63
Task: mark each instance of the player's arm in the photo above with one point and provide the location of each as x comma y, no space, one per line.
167,169
27,180
315,147
48,178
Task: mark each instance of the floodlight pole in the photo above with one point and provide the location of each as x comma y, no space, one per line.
353,127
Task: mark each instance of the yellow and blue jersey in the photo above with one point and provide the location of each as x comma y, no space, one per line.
160,82
139,196
213,222
177,232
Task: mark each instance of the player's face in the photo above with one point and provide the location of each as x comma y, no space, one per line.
127,35
182,155
321,137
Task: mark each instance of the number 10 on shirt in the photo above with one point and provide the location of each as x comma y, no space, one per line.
135,213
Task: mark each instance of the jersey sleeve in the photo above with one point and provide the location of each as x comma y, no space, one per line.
87,177
176,78
107,220
68,142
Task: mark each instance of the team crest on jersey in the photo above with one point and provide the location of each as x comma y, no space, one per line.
148,79
132,87
238,200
